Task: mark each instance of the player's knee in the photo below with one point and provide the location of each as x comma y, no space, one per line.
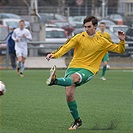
75,78
70,93
105,63
69,97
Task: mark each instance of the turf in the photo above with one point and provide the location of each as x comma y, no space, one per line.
30,106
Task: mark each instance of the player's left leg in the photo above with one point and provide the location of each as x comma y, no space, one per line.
84,76
71,102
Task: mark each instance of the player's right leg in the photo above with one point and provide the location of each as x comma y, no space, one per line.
52,80
22,67
73,76
19,60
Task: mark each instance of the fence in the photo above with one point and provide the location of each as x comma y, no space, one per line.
67,11
35,46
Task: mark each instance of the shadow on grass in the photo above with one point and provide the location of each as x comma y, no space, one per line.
112,125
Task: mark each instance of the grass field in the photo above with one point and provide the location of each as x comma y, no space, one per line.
30,106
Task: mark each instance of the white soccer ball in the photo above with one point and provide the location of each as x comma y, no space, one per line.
2,88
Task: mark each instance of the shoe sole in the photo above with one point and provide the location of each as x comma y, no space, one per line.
52,72
103,79
21,75
71,128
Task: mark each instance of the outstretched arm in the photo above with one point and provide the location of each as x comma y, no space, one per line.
70,43
121,35
49,56
118,48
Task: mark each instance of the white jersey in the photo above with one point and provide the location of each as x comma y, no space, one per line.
21,45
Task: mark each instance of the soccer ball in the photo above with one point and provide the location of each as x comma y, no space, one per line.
2,88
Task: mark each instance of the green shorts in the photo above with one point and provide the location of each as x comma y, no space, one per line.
105,58
85,75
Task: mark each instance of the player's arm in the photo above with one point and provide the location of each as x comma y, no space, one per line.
120,47
14,37
28,35
63,49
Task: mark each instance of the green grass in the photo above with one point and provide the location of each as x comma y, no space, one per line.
30,106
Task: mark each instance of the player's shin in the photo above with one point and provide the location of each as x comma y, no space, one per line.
64,81
18,64
73,109
22,67
104,70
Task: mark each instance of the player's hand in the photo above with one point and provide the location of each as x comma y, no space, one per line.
121,35
24,35
17,40
49,56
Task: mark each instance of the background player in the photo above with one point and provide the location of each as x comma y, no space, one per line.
21,36
105,59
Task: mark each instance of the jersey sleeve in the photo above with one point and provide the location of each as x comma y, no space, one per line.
14,35
70,43
117,48
28,35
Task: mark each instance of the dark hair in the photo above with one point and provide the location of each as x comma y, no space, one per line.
21,21
102,23
92,19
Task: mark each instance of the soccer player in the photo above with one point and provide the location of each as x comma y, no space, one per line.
105,59
21,36
89,50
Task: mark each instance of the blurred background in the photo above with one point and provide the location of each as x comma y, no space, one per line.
53,22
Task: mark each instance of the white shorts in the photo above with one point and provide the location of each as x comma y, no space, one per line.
21,53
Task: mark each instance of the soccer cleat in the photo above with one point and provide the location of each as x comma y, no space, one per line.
21,74
102,78
17,70
76,124
52,79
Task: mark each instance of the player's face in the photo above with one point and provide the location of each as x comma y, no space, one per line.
90,28
21,25
102,27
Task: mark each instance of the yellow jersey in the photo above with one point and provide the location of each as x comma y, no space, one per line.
104,34
88,51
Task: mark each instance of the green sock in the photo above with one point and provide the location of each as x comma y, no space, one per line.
64,81
104,70
73,109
